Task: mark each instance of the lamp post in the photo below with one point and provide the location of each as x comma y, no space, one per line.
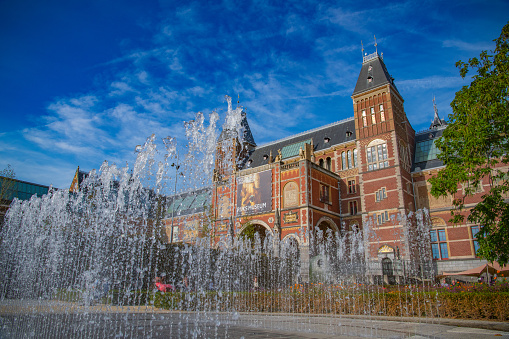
177,166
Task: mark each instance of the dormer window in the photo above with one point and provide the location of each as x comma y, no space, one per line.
370,78
249,162
265,156
326,140
348,134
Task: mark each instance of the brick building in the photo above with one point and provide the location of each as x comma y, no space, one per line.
367,170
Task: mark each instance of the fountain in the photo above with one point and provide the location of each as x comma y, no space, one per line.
83,264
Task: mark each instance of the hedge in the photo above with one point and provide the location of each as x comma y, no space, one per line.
461,305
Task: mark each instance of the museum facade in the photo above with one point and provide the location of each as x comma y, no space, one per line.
370,170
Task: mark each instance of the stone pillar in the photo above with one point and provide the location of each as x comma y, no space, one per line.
386,279
304,263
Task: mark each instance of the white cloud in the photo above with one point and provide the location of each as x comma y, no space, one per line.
119,88
432,82
468,46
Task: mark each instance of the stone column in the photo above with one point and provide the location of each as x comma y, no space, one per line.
304,263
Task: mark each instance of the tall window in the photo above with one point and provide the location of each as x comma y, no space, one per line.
350,160
475,230
373,119
439,244
364,118
320,162
353,207
377,157
351,186
328,163
343,160
382,217
382,113
325,194
381,194
355,157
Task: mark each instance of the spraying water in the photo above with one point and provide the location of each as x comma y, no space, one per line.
85,264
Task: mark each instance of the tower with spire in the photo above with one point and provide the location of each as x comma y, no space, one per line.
385,142
436,122
234,145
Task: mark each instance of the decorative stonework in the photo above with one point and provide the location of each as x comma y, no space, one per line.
291,195
438,222
223,207
425,199
386,249
191,230
290,217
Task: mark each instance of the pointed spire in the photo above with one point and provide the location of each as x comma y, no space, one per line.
373,74
436,119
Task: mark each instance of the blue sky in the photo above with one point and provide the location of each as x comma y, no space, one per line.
87,81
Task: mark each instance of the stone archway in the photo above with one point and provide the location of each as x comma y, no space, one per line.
327,223
324,235
256,222
255,229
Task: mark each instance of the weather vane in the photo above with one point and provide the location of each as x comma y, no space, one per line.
376,48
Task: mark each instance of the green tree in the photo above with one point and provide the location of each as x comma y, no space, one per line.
475,149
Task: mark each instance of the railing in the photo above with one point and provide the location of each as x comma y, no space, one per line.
371,57
290,166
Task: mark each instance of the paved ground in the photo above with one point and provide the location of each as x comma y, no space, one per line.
66,320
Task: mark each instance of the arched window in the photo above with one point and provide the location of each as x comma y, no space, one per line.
364,118
329,163
376,155
343,160
349,156
373,119
321,162
355,157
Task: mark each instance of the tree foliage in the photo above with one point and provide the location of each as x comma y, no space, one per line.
7,182
475,150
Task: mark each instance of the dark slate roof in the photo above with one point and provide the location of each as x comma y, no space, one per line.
82,175
247,135
437,122
23,190
373,74
336,132
189,202
430,134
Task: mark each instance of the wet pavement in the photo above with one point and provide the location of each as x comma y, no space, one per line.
69,320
